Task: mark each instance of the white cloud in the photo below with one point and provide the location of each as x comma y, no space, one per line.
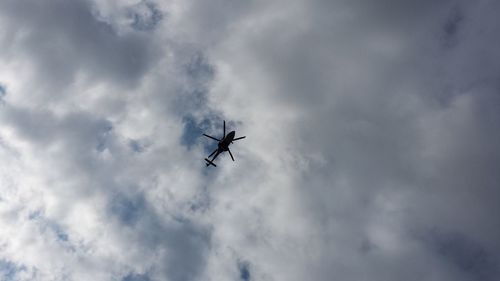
371,147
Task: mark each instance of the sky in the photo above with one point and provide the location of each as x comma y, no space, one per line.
372,142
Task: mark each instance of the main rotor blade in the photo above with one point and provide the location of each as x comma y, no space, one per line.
212,153
211,137
239,138
224,126
230,153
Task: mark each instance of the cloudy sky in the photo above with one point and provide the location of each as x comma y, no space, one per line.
372,149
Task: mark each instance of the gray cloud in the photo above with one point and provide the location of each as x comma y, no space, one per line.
64,40
371,149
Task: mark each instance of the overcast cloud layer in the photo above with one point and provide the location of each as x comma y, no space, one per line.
372,149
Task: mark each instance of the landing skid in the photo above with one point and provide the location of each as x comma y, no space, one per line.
210,163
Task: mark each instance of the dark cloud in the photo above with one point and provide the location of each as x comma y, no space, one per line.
62,39
452,27
368,86
466,254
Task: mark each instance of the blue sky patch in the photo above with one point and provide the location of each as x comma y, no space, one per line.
60,233
128,210
199,69
102,138
145,16
193,130
138,146
244,269
3,91
136,277
46,223
9,270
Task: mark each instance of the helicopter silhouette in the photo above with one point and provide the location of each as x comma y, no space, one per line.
223,144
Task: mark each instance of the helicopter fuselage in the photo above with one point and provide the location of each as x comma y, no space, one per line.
224,143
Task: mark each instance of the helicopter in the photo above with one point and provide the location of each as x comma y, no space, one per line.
223,145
